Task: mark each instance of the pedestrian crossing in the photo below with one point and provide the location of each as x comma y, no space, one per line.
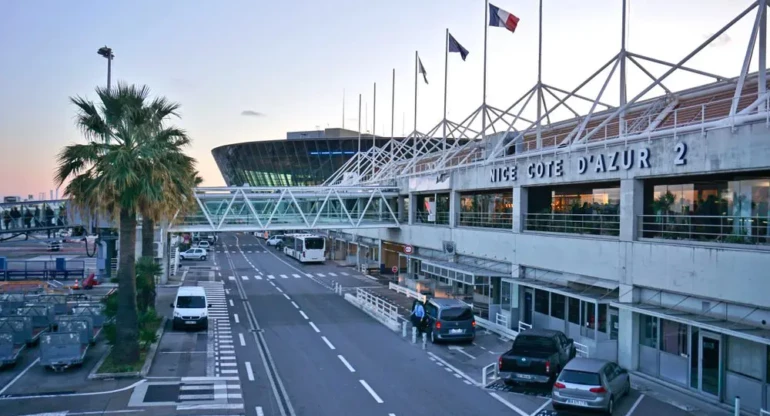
286,276
210,393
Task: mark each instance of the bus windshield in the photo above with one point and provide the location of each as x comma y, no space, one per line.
314,243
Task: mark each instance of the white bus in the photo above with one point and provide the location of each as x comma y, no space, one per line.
307,248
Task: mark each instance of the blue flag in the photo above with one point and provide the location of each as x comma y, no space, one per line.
454,46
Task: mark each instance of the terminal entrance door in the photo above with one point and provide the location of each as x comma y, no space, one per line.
706,362
529,297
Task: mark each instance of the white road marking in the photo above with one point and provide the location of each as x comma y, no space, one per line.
286,296
270,276
344,273
308,275
347,364
440,361
228,406
258,277
296,276
332,274
508,404
231,277
294,304
231,303
542,407
461,351
279,289
228,364
226,358
229,371
371,391
328,343
249,371
303,315
259,411
243,340
315,328
245,277
235,316
15,379
636,403
283,276
320,275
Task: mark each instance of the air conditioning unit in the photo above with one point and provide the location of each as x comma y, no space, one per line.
449,247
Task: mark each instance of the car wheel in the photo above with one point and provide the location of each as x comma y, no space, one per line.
610,406
203,258
557,406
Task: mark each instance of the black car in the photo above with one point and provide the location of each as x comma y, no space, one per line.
536,356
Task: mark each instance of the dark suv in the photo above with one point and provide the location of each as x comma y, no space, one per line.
449,320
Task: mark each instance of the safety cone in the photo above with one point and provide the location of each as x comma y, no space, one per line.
77,284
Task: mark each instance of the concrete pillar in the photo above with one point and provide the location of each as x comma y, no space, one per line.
454,208
631,207
628,330
400,214
412,208
520,200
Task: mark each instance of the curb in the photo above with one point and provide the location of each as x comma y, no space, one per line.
145,368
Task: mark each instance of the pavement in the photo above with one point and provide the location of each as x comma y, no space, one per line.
282,343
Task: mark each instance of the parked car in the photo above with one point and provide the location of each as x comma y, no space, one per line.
204,245
536,356
193,254
190,308
54,245
275,241
590,383
449,320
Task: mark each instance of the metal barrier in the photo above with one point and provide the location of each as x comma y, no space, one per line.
594,224
42,270
377,305
763,412
582,350
503,220
408,292
523,326
489,374
501,319
733,229
505,332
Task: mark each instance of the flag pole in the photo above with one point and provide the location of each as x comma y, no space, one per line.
484,98
343,108
414,134
539,76
446,72
358,155
392,111
374,117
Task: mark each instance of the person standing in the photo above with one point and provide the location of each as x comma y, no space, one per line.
418,316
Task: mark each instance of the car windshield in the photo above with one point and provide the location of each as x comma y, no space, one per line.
185,302
314,244
456,314
533,343
580,377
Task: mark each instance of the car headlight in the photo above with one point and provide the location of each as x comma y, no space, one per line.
177,314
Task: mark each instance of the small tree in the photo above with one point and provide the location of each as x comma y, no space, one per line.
147,273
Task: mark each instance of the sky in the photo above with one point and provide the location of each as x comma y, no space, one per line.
286,63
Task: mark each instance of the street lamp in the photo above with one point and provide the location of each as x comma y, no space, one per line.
107,53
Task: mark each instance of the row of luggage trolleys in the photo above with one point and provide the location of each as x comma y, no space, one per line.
63,328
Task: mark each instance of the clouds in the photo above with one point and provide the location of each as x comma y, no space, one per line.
721,40
252,113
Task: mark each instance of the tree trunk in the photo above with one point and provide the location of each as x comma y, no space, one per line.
148,237
126,348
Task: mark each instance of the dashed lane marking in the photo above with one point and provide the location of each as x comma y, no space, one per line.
303,315
315,328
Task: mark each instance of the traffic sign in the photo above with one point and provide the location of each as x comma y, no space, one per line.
394,269
408,249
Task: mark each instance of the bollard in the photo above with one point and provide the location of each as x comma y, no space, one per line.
414,335
737,405
403,329
424,340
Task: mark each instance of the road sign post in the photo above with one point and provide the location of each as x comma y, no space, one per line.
394,269
408,249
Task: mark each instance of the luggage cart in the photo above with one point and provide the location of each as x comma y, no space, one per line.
57,301
89,335
14,334
41,316
94,311
62,350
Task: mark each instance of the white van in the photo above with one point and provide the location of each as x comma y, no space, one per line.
191,308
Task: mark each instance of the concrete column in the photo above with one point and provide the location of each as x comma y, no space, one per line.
412,208
454,208
520,200
631,207
628,330
400,209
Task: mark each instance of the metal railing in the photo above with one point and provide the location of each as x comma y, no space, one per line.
489,374
439,218
763,412
706,228
581,349
523,326
592,224
377,305
408,292
501,319
490,326
485,219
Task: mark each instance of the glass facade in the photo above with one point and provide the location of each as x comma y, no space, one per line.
486,209
575,209
300,162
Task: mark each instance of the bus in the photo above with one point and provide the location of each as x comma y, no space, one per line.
307,248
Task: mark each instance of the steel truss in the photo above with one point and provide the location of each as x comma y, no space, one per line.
289,208
507,134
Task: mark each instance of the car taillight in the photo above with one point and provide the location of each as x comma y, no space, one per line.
597,390
559,385
473,324
500,363
547,366
438,325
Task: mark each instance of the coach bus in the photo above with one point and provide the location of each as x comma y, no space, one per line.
307,248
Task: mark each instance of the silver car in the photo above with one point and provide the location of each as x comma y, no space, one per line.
590,383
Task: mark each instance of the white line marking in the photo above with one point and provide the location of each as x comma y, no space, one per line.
332,274
237,321
296,276
344,273
308,275
259,411
347,364
245,277
258,277
249,371
229,406
231,277
440,361
15,379
542,407
270,276
231,303
374,395
328,343
243,340
279,289
294,304
636,403
229,371
286,296
98,413
508,404
303,315
314,327
272,284
283,276
320,275
95,393
228,364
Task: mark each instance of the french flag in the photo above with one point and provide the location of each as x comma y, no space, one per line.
500,18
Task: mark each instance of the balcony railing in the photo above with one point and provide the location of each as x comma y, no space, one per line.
439,218
593,224
485,219
706,228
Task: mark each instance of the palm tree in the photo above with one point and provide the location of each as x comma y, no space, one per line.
122,169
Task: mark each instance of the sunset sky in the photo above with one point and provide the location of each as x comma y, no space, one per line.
290,61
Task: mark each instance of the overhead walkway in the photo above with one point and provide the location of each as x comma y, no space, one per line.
289,208
28,217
